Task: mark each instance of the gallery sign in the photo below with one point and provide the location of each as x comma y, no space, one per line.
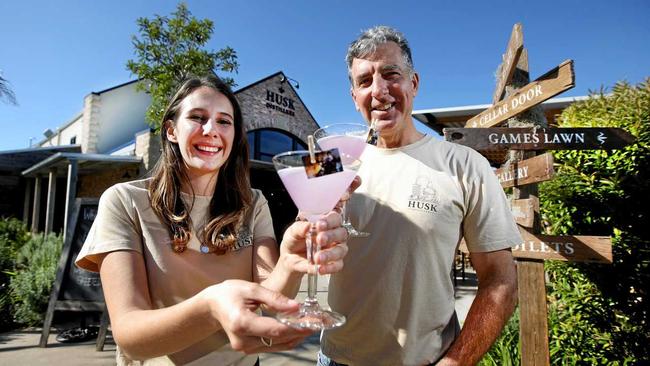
533,170
532,138
548,85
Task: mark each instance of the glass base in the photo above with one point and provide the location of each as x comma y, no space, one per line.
311,316
353,232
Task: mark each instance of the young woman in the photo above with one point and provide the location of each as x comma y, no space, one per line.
187,256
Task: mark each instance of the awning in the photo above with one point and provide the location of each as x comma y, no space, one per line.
86,163
15,161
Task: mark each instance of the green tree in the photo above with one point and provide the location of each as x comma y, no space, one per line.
168,50
6,94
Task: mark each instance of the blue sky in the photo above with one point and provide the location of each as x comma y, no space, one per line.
56,52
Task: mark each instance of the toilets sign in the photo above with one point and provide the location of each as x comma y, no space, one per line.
548,85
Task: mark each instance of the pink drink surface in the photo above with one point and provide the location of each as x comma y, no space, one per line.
315,196
351,145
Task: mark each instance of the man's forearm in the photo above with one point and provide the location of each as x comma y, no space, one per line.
491,309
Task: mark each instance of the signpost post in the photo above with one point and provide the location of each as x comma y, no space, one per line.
526,135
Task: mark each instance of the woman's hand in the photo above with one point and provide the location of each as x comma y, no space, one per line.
233,304
329,234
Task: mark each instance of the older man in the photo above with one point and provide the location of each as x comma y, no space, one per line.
419,198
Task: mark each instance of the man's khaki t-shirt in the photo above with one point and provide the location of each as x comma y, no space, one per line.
417,202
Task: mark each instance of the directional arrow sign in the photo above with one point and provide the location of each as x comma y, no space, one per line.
510,58
523,211
530,138
548,85
571,248
533,170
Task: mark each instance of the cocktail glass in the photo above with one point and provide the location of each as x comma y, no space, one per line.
350,139
314,197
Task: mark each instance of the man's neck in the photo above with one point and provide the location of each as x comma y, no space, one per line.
406,137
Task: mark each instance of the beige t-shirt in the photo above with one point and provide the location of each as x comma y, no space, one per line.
126,221
395,289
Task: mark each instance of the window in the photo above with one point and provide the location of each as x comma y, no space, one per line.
265,143
73,140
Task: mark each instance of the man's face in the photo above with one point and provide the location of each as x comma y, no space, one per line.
383,90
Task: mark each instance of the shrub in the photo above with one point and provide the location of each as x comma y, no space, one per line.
36,265
13,235
602,310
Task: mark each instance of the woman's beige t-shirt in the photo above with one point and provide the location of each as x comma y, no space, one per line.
126,221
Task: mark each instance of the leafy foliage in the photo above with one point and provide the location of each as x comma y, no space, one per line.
171,49
602,310
13,235
598,313
6,94
36,265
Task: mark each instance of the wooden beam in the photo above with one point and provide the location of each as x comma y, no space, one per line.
36,210
531,138
547,86
532,313
70,193
26,202
51,197
510,58
533,170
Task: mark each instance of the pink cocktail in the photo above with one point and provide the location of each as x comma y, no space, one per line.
353,145
314,196
350,139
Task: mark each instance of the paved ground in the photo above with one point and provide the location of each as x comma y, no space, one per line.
21,347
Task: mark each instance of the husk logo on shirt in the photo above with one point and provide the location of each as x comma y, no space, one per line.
244,239
424,196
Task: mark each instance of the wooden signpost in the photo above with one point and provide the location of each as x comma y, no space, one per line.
548,85
500,138
510,58
523,211
533,170
573,248
524,169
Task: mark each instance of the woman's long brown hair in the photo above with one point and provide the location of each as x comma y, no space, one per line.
232,195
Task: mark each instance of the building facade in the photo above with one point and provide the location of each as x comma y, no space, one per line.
109,142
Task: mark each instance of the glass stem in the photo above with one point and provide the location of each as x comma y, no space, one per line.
312,279
346,218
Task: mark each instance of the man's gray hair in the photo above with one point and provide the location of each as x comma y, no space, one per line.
366,44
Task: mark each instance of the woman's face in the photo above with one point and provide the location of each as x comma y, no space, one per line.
204,131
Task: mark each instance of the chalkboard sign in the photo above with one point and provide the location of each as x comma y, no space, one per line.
79,284
75,289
